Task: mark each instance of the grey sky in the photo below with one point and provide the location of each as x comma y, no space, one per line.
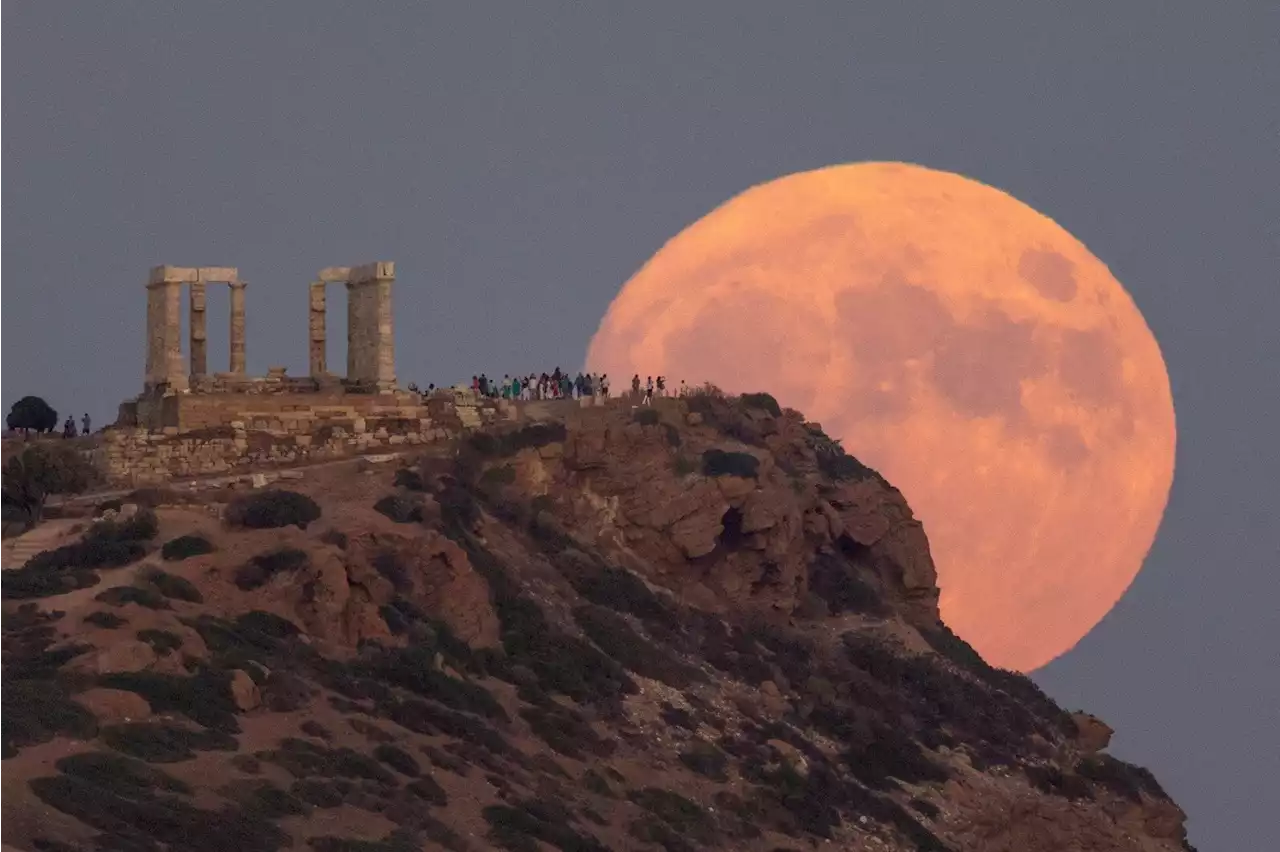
519,161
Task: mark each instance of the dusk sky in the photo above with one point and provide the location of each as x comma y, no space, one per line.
519,162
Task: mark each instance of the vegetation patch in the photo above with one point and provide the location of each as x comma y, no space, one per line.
835,579
302,759
105,620
519,827
163,642
1122,778
136,807
720,463
687,818
398,759
259,570
185,547
142,596
500,445
173,587
204,698
164,742
565,731
37,710
615,636
707,760
761,401
264,799
272,509
647,416
400,508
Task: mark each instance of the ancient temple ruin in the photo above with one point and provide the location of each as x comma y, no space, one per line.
182,394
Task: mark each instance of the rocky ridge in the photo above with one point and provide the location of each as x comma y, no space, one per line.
696,625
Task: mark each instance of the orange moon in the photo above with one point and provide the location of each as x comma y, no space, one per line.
958,341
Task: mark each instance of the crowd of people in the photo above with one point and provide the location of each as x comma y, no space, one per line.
558,384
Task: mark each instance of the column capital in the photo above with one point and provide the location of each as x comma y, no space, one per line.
237,285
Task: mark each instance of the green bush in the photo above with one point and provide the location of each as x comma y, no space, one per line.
721,463
134,807
163,742
302,758
565,731
67,568
615,637
263,799
321,792
272,509
121,595
410,479
143,525
106,620
398,759
184,547
705,759
1122,778
762,401
427,789
31,476
399,508
490,445
647,416
259,570
162,642
173,587
835,580
312,728
519,828
37,710
684,816
204,697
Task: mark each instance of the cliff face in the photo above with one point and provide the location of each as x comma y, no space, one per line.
698,625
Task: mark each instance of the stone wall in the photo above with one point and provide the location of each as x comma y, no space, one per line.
281,430
274,404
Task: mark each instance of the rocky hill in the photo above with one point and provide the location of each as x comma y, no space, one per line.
698,625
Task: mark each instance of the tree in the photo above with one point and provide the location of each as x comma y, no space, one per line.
31,476
32,412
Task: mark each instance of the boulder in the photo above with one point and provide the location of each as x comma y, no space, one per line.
113,706
127,656
244,692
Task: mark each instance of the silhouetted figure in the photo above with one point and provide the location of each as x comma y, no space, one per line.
84,424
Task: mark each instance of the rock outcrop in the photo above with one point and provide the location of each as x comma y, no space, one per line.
696,625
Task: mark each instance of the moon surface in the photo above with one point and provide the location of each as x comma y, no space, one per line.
953,338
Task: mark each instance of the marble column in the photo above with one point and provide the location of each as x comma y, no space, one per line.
316,330
199,337
175,374
370,333
237,327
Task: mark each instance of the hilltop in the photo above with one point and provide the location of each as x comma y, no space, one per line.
697,625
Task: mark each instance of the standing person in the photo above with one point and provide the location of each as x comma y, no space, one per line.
648,391
604,385
84,424
662,385
684,389
635,387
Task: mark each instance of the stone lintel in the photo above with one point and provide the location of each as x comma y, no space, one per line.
165,274
219,274
334,274
380,270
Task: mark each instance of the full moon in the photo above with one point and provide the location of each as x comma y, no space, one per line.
958,341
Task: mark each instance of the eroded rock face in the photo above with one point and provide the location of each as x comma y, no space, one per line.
690,604
727,540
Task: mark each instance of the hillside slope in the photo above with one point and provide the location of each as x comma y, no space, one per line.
700,625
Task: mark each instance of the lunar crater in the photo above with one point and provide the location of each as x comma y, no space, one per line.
957,341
